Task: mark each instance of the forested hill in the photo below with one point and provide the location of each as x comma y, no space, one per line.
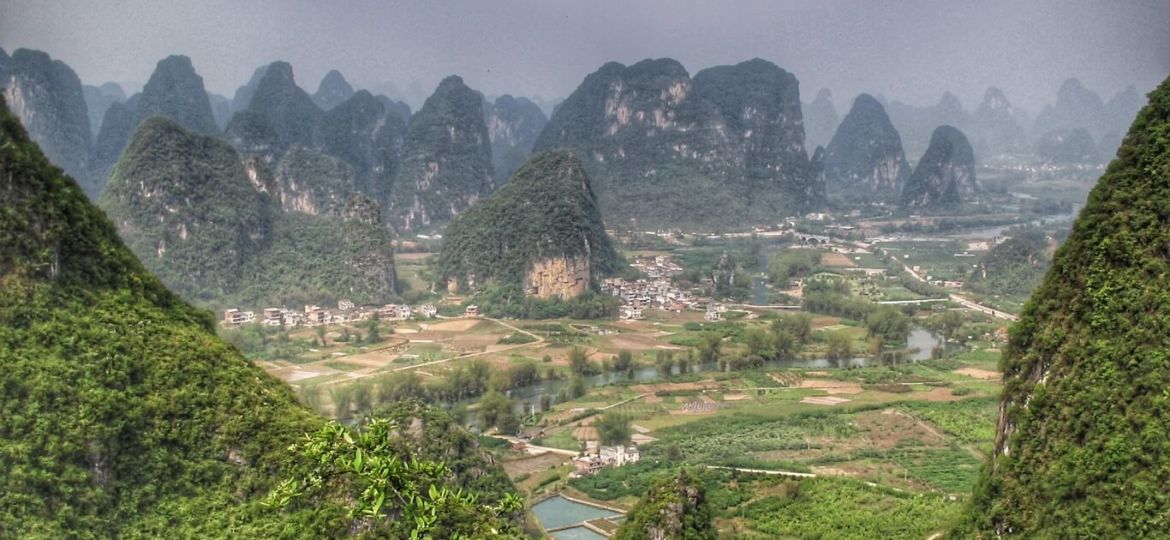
1082,449
545,216
125,416
213,230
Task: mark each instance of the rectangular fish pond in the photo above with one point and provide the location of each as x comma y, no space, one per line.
565,518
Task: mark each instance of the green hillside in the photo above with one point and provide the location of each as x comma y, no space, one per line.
1082,449
125,416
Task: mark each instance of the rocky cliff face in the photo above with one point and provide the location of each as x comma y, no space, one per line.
47,97
369,137
540,235
447,159
176,92
946,173
332,91
1080,449
513,125
651,132
864,161
560,277
312,161
820,119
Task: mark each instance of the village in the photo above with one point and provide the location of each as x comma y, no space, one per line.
346,312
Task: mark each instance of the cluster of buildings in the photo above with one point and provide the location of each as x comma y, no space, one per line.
606,456
657,291
657,267
312,315
645,293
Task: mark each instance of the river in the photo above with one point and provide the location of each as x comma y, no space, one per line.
920,341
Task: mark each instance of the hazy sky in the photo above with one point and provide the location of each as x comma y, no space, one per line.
907,50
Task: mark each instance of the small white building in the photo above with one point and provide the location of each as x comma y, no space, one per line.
427,311
235,317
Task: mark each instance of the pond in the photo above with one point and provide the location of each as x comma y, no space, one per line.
558,512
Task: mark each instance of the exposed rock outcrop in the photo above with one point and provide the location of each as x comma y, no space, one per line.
560,277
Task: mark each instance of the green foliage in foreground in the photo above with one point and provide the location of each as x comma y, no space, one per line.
124,415
1082,449
393,496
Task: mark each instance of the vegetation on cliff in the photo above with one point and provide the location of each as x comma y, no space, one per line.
187,206
547,211
127,417
1081,449
664,149
674,509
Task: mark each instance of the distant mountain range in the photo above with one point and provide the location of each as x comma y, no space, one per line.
725,147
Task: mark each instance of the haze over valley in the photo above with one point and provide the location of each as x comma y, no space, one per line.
584,270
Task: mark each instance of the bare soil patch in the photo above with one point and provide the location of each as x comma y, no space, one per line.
886,428
832,387
824,400
837,259
977,373
461,325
